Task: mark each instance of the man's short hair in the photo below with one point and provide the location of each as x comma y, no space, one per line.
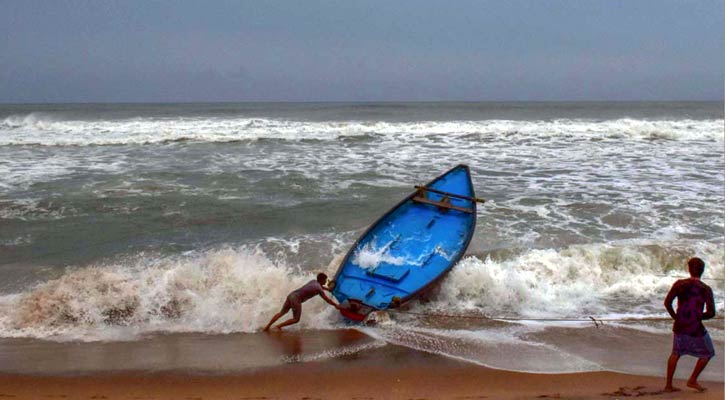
322,277
696,266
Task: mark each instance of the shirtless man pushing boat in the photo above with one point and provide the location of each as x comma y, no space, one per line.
296,298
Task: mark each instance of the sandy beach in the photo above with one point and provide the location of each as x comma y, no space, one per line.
299,365
438,378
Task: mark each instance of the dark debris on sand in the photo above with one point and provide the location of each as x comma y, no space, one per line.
637,391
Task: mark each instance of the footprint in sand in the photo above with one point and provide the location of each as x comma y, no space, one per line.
636,391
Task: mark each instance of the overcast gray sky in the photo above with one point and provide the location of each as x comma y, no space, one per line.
128,51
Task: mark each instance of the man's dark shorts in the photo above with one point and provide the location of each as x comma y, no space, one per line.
294,303
697,346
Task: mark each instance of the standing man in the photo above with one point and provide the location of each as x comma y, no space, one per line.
295,299
691,337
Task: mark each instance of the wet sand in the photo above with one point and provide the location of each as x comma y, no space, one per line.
292,365
438,378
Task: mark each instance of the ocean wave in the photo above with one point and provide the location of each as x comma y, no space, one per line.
46,129
35,209
34,120
575,281
238,290
219,291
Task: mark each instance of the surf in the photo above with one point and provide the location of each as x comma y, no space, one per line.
237,289
57,129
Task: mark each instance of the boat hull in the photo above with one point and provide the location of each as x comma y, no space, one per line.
409,248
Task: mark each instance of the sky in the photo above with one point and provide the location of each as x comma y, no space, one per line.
346,50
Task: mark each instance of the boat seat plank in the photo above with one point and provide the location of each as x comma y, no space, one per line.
419,199
390,272
423,189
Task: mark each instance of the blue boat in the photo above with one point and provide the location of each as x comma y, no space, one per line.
410,247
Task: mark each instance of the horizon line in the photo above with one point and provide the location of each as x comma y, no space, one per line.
358,101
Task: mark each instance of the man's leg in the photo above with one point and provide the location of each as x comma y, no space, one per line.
699,366
273,320
296,314
277,316
290,321
671,366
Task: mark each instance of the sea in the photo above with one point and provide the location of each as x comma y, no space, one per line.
178,225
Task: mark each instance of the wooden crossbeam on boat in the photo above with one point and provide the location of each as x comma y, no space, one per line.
442,204
459,196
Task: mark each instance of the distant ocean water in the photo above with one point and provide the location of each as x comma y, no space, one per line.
120,220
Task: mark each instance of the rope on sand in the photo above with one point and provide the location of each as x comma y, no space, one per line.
597,321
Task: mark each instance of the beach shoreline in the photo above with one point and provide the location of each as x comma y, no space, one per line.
145,246
403,377
343,364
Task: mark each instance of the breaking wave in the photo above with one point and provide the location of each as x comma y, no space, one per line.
238,290
217,291
576,281
47,129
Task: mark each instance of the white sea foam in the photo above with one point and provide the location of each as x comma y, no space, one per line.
335,353
219,291
573,282
490,347
49,130
371,255
30,209
238,290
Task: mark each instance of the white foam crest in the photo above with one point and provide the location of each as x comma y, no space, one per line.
335,353
573,282
238,290
46,129
219,291
36,120
488,347
35,209
370,256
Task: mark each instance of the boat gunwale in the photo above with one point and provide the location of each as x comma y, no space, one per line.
435,280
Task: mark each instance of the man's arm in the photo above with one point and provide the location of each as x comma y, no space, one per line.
669,299
709,305
328,300
330,286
